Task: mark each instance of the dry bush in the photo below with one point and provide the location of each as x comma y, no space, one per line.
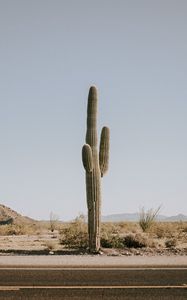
162,230
74,235
109,228
168,230
129,226
18,229
121,228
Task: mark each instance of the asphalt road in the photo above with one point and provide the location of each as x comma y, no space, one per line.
93,283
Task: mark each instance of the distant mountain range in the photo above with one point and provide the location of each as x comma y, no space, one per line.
135,217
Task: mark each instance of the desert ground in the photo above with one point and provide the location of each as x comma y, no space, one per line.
27,236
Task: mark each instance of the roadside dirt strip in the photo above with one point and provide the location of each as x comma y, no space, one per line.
91,261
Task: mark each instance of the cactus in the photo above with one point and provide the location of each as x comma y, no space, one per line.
96,165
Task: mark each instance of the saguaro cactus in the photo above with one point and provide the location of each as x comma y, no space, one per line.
96,165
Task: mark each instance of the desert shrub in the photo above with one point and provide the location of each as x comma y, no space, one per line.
74,235
109,228
124,227
168,230
159,231
110,235
164,230
53,221
147,218
135,241
111,241
17,229
171,243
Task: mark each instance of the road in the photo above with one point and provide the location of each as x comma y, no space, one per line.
93,283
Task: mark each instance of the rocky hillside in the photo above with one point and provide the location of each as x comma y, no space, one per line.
10,216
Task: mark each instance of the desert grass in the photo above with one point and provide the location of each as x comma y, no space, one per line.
148,218
20,229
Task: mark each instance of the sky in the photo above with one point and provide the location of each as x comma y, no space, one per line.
51,52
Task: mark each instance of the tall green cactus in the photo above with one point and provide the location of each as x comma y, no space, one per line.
96,165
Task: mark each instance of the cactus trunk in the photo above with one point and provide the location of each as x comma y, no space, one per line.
93,203
95,165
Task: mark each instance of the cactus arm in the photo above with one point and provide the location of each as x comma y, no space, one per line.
87,158
104,150
91,134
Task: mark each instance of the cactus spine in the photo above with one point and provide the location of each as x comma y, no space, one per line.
96,165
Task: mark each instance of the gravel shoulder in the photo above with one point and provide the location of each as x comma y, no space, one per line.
92,261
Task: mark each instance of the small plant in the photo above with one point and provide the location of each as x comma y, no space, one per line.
147,218
53,221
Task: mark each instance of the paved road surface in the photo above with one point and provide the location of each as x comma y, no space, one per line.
93,283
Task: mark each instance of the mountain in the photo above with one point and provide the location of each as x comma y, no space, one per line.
9,216
120,217
179,217
135,217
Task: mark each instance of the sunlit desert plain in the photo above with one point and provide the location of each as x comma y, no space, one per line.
23,235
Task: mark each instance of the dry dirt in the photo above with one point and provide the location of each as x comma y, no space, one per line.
48,243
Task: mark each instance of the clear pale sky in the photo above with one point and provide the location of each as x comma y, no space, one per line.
135,52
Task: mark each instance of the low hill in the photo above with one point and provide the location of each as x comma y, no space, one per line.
10,216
